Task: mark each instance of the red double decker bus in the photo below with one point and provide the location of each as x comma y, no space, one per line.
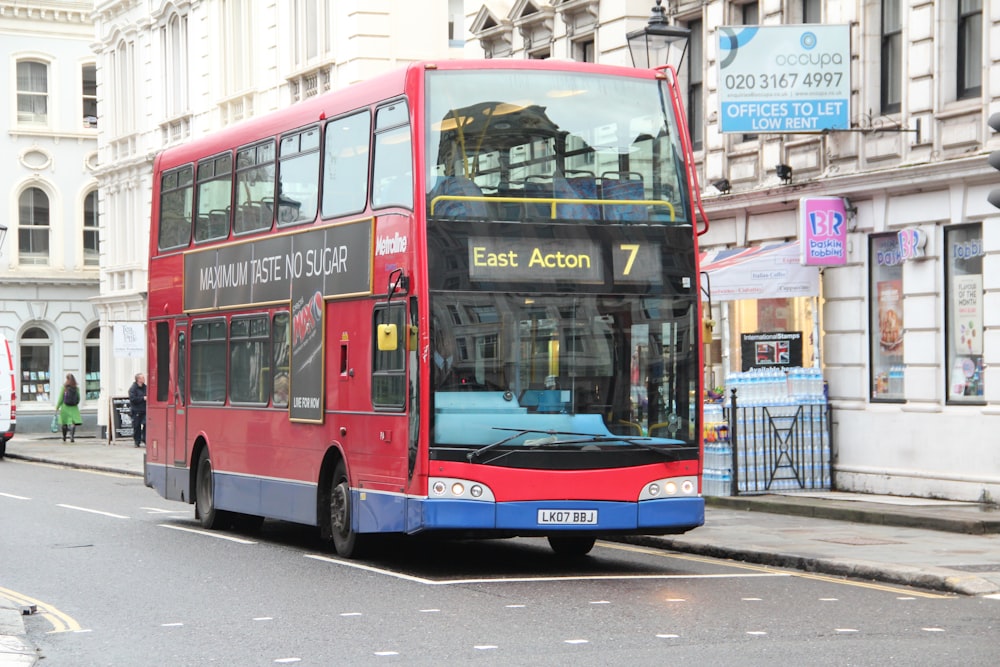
457,299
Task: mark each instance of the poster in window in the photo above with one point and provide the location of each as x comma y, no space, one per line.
967,311
890,317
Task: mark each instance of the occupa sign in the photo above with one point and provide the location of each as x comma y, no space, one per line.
782,79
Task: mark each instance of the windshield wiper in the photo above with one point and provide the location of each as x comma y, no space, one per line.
551,439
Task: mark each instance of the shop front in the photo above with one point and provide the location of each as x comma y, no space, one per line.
766,418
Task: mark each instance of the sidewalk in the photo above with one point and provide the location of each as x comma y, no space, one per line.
934,544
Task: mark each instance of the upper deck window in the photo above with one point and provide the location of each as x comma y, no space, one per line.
345,165
254,188
392,171
298,177
215,192
176,199
535,145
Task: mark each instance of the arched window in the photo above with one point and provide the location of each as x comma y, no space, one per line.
92,364
91,256
36,373
33,227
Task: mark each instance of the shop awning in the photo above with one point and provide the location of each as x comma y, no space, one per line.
759,272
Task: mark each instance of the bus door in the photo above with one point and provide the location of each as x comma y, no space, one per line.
176,417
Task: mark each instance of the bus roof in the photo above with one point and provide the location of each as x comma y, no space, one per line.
356,96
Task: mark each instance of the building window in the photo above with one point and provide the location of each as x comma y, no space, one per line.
32,92
885,300
583,50
92,364
89,78
237,33
33,227
456,23
891,79
91,238
35,356
970,48
812,11
964,304
122,91
696,82
174,44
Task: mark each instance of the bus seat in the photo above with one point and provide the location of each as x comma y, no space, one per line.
565,188
457,186
620,185
218,223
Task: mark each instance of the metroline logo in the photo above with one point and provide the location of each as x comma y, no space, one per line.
390,245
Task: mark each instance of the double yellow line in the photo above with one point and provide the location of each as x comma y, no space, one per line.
60,622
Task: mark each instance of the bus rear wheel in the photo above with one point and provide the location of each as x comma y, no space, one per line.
346,541
204,499
571,545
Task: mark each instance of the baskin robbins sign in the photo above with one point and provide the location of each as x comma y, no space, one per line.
822,231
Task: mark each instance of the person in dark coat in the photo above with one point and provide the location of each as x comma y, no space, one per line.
137,403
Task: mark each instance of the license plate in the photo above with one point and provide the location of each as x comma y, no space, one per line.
567,517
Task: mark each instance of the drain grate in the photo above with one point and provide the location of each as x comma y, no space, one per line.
858,541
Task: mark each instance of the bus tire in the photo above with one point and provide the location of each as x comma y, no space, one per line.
346,542
204,498
572,546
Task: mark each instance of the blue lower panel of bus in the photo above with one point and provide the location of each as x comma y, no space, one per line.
549,516
274,498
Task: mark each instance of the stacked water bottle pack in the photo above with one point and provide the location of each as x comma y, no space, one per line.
778,386
718,467
782,440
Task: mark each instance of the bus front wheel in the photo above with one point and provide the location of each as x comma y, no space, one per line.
571,545
204,499
346,541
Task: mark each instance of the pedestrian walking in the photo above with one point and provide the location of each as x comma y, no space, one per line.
68,408
137,403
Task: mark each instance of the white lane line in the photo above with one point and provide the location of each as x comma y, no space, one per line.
160,510
522,580
429,611
576,641
756,633
11,495
486,647
845,630
264,618
667,636
932,629
206,533
286,661
351,613
85,509
171,625
992,596
386,653
600,602
752,599
516,606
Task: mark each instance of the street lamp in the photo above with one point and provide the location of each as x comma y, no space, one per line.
650,46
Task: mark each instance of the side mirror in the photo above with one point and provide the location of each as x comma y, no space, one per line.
388,338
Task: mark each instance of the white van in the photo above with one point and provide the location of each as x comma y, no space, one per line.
8,395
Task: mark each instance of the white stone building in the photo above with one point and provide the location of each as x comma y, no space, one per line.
170,71
49,260
907,344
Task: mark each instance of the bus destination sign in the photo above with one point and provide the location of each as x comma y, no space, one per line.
547,260
336,261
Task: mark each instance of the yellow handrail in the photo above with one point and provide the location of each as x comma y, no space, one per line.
553,202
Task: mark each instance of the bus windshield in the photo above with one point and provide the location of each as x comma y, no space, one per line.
518,145
520,367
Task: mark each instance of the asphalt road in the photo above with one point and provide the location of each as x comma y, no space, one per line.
123,577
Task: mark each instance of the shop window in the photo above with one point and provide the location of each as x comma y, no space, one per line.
92,364
751,318
885,300
36,359
964,308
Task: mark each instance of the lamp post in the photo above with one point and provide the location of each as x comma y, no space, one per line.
650,46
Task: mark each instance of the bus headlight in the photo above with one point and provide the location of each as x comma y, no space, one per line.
672,487
459,489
